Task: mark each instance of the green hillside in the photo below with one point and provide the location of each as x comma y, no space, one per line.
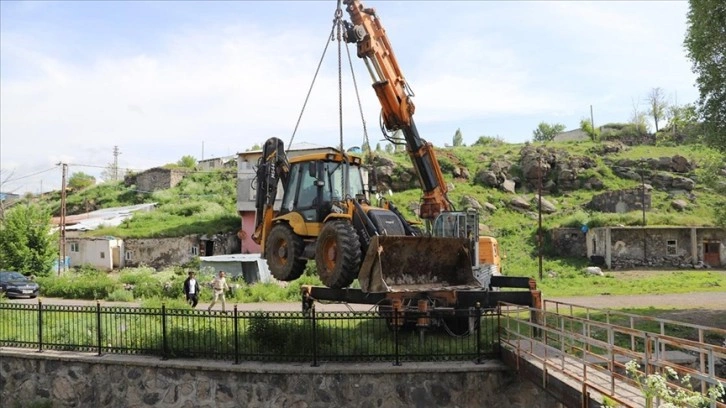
204,202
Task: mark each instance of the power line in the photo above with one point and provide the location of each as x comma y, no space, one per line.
11,179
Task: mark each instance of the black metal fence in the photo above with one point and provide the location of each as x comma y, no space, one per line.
253,336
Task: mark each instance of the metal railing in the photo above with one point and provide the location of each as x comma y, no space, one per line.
249,336
592,347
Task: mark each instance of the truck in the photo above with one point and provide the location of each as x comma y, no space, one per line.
328,215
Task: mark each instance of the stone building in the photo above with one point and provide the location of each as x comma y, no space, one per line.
666,247
162,252
569,242
158,178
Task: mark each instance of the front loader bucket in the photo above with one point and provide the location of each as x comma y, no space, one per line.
400,263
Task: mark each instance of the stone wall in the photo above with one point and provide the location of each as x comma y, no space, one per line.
157,179
160,252
86,380
621,201
569,242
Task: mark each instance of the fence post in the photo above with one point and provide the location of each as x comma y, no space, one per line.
236,336
40,326
395,335
478,332
163,332
315,335
98,325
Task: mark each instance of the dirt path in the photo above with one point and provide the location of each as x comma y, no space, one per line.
705,309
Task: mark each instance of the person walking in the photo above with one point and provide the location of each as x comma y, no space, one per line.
219,286
191,289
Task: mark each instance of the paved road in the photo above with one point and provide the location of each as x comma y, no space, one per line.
705,300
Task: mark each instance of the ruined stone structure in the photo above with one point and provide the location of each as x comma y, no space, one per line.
162,252
86,380
621,201
569,242
670,247
157,178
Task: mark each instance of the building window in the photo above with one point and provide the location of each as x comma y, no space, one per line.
127,255
74,247
671,247
194,250
103,255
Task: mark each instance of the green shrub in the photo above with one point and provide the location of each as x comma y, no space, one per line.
83,285
120,295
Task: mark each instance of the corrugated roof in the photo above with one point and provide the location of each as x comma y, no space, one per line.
111,217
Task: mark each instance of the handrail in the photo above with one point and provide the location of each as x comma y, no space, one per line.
562,341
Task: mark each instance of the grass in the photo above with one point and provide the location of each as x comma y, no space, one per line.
260,335
580,284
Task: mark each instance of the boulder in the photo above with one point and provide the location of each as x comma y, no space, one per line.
679,205
680,164
509,186
468,201
519,202
487,178
594,270
547,207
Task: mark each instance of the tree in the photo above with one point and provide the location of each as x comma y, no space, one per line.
26,244
586,126
638,120
458,138
187,162
657,105
80,180
110,172
378,147
705,44
546,131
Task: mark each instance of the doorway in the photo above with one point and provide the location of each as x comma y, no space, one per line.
711,253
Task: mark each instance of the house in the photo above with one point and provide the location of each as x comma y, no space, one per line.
217,163
8,197
246,194
103,253
157,178
664,247
249,267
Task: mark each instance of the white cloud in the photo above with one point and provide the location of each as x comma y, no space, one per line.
229,86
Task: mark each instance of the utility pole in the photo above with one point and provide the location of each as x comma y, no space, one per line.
642,204
539,211
592,119
62,241
116,152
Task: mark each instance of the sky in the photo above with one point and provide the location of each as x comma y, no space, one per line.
163,79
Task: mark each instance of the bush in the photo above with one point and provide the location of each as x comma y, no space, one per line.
84,285
120,295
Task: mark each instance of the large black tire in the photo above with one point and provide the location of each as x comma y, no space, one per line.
282,252
337,254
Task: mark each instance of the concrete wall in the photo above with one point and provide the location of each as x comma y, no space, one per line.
73,380
103,253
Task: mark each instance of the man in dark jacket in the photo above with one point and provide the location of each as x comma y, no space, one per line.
191,290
